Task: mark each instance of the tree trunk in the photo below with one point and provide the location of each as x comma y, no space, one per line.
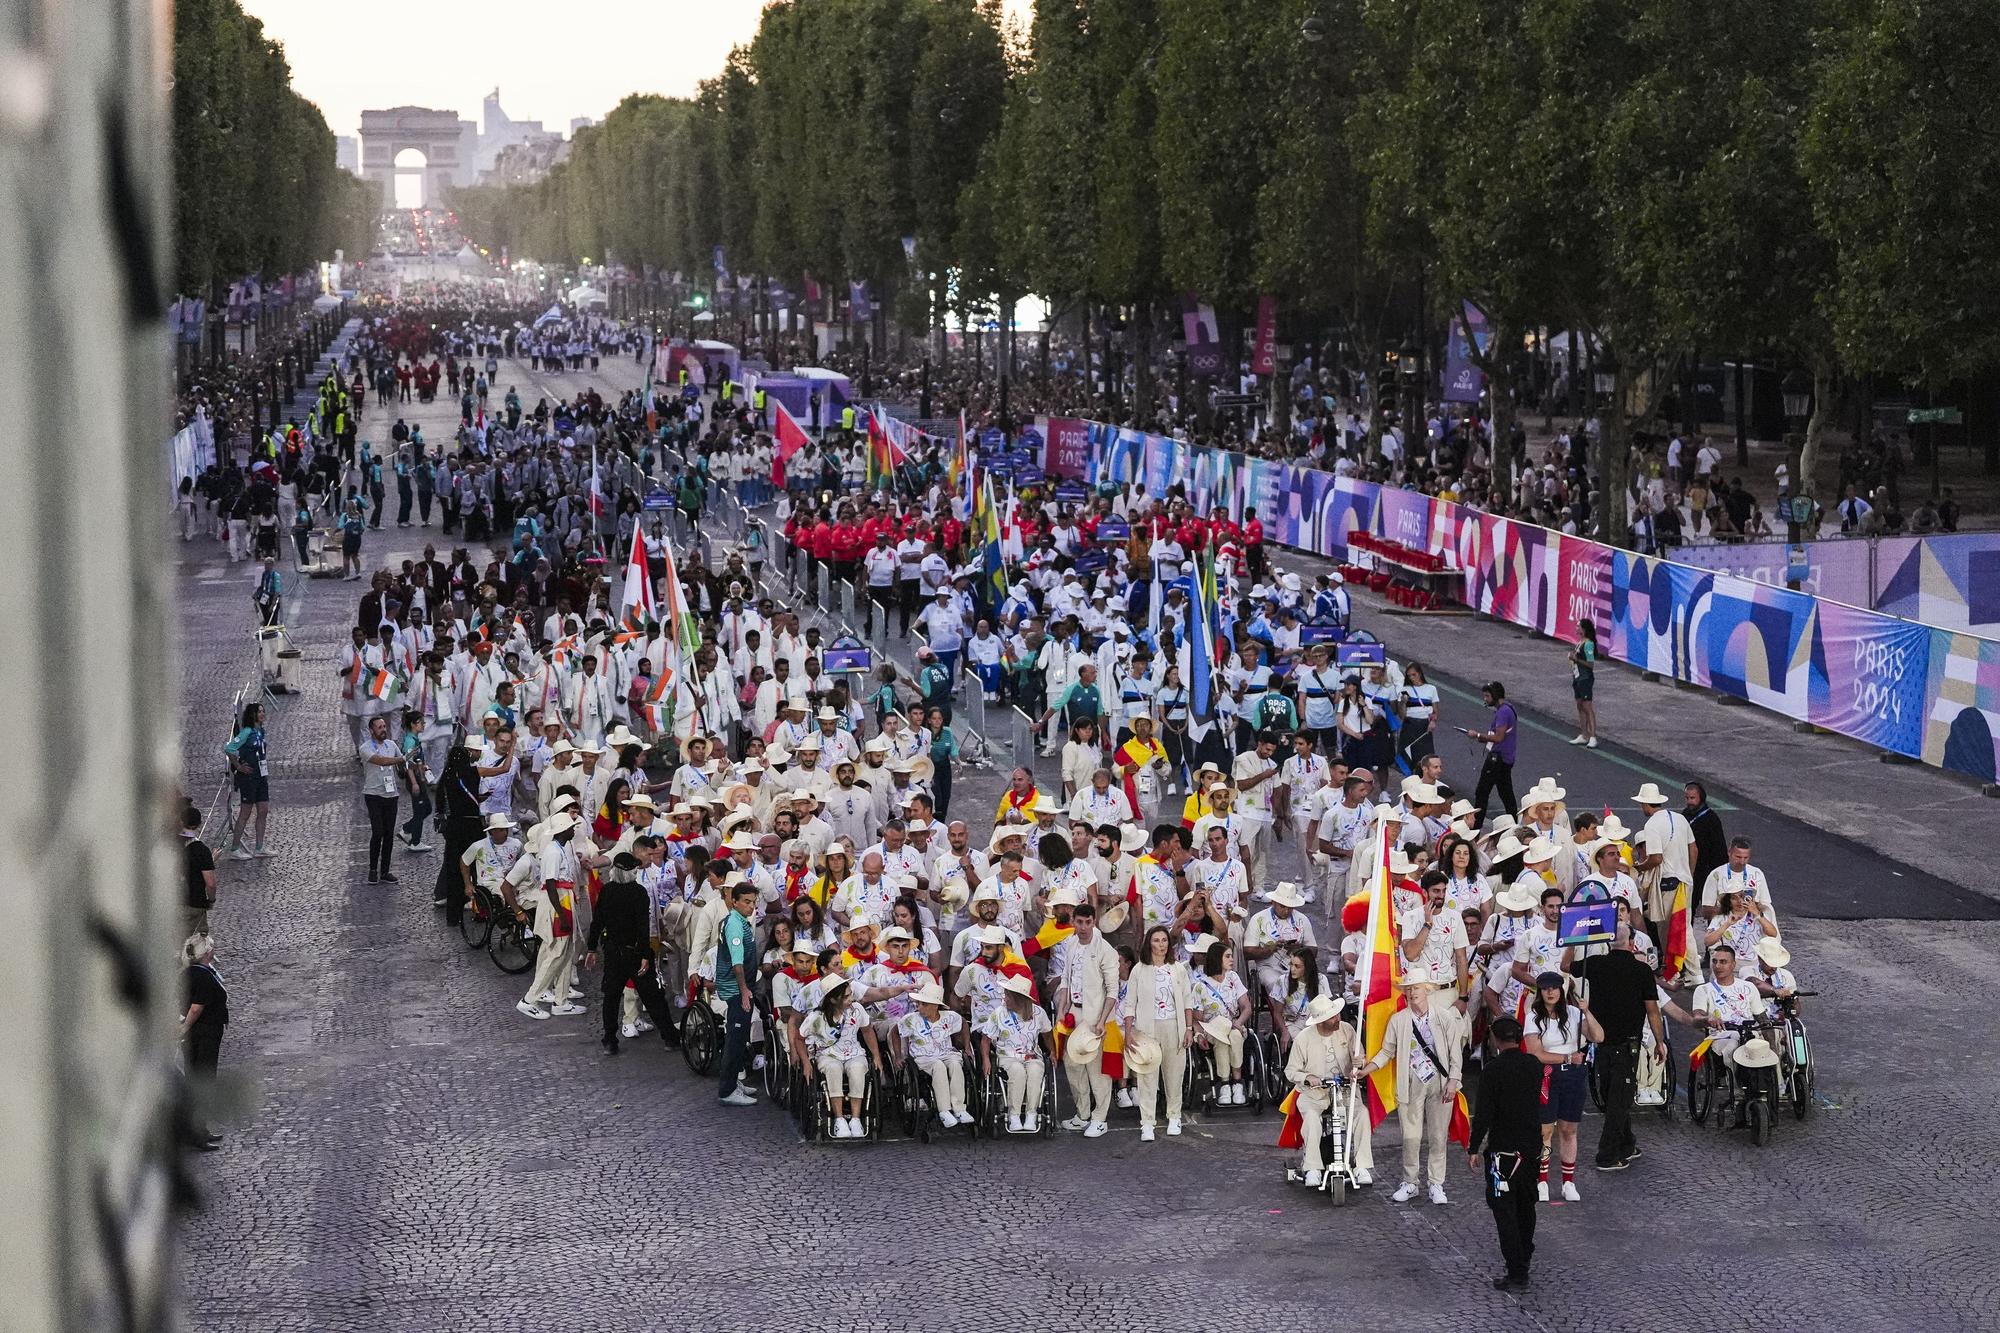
1805,483
1142,361
1614,463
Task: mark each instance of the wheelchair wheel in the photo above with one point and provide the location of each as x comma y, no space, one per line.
775,1061
1198,1080
1336,1187
1758,1112
1275,1086
812,1111
701,1038
872,1108
513,950
475,922
1702,1084
1595,1078
1047,1126
1669,1080
1802,1079
1252,1073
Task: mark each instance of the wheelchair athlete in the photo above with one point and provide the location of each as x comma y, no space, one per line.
1018,1036
835,1034
930,1036
1324,1052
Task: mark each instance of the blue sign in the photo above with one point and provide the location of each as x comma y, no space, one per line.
993,440
1347,655
1113,529
1027,473
656,499
1000,465
691,392
1312,634
1589,917
1089,562
847,653
1029,441
1072,492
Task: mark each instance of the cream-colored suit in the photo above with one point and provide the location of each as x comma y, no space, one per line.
1148,984
1422,1106
1089,990
1318,1056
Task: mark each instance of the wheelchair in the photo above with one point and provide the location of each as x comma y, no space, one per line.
510,941
989,1109
1668,1080
1796,1076
1721,1085
701,1029
1203,1089
1337,1178
911,1093
815,1114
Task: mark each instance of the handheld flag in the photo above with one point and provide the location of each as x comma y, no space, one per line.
1379,994
789,437
382,684
637,599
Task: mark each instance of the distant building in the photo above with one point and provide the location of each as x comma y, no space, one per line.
580,122
526,163
347,153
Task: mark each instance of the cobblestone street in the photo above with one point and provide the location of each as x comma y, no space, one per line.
417,1156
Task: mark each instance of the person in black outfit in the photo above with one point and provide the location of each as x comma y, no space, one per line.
1624,998
621,925
1711,844
1506,1145
458,799
201,1027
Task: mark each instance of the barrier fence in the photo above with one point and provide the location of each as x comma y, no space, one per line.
1914,689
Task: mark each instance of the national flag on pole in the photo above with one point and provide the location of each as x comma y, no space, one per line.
789,437
992,561
1291,1134
672,703
553,315
1674,955
1380,996
382,684
885,453
636,602
1204,637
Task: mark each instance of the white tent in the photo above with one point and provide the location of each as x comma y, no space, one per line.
587,296
467,257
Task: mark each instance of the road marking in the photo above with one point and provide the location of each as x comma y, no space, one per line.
1630,765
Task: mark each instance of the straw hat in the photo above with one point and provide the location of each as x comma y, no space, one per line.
498,821
1018,984
740,842
1218,1029
993,935
1387,813
1650,794
1545,790
831,984
561,823
894,933
953,894
1773,954
827,713
1287,894
1132,838
641,802
1516,898
1756,1053
1613,829
1082,1047
1499,824
1322,1008
930,993
1113,917
1461,808
620,737
1065,897
1143,1055
859,923
1399,864
1541,849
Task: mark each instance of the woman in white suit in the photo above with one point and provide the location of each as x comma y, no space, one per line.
1160,1005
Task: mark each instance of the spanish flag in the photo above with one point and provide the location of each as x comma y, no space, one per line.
1291,1134
1380,996
1048,937
1013,965
1008,802
1698,1054
1133,756
1676,951
1460,1131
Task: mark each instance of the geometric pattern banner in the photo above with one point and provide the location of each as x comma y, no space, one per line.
1732,626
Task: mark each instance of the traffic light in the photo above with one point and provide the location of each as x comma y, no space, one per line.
699,300
1385,390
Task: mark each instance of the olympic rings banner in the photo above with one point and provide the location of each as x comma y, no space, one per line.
1910,688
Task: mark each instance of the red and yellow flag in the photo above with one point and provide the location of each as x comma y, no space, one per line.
1676,952
1380,996
1048,937
1291,1134
1133,756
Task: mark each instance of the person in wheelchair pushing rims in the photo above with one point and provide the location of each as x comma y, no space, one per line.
1018,1035
835,1033
1723,1004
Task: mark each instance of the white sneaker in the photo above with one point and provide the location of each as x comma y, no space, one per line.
567,1010
1363,1176
1076,1122
1145,1133
575,994
1236,1094
1404,1193
1569,1192
1096,1129
1015,1124
855,1129
742,1098
1126,1099
532,1011
419,846
1578,739
1313,1179
757,1061
628,1031
1032,1122
264,853
1542,1192
240,854
1173,1128
839,1130
642,1025
546,997
1437,1196
1590,744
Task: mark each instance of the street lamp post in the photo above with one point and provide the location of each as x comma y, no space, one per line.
1613,468
1796,497
1409,362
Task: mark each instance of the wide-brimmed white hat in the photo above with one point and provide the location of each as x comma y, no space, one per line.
1650,794
561,822
1499,824
1756,1053
1613,829
498,820
1399,864
642,800
1541,849
1461,807
1323,1007
827,713
740,842
1020,985
1387,813
1082,1046
620,738
929,993
953,894
894,933
1132,838
1773,954
1544,789
1065,896
1114,916
1143,1055
1516,898
1287,893
993,935
1218,1029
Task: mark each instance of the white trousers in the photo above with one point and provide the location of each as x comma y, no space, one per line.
1228,1057
844,1078
1312,1104
1023,1080
1172,1071
1090,1088
1426,1123
552,970
947,1082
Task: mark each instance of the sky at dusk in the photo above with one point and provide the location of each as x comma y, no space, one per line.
550,62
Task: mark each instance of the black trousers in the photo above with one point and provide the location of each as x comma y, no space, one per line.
622,964
907,603
381,833
1618,1065
203,1049
882,595
1495,775
1513,1211
459,834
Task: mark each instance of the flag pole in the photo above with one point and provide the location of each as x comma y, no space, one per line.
1376,897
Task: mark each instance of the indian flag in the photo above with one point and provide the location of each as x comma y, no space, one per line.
382,684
